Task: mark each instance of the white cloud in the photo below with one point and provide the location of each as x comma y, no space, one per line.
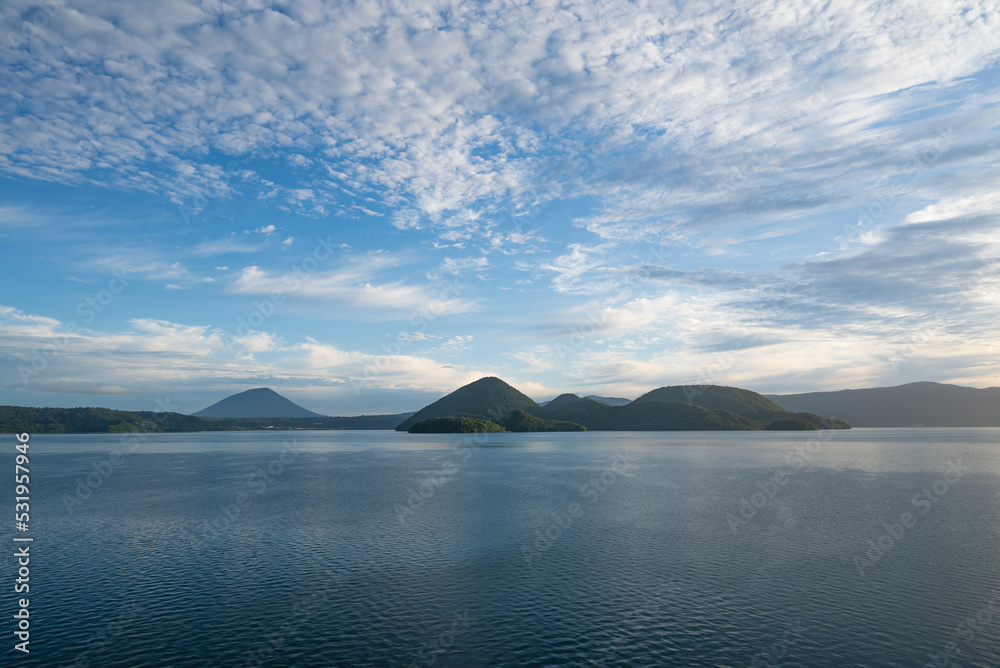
458,266
353,284
455,344
79,386
154,355
581,269
612,101
230,244
603,130
987,203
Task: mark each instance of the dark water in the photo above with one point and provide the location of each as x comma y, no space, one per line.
385,549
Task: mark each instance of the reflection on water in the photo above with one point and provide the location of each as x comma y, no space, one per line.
624,549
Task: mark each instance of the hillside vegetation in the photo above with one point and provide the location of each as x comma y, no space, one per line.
486,399
17,419
454,425
791,425
679,408
742,402
521,421
649,415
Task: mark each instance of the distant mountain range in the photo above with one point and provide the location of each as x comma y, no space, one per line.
262,402
610,401
685,407
914,404
680,408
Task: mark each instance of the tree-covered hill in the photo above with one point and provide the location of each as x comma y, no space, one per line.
650,415
486,399
18,419
521,421
742,402
680,408
455,425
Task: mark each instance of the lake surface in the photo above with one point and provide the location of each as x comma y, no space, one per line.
873,547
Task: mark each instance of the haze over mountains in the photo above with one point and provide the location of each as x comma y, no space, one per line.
914,404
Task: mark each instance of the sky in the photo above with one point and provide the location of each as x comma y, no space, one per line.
365,205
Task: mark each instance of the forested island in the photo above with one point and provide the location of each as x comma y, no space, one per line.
490,404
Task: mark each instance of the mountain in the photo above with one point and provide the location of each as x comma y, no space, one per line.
262,402
561,401
486,399
610,401
680,408
742,402
924,404
649,415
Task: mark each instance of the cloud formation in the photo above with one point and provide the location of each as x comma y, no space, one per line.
796,194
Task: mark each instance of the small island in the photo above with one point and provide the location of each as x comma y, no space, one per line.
490,403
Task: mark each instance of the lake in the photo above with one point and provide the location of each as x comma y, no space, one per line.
869,547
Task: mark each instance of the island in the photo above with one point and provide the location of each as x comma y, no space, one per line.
491,401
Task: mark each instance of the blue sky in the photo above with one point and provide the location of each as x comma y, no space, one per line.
367,205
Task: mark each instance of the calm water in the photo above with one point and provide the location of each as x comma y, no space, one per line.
598,549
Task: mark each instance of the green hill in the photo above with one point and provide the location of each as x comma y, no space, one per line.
562,401
521,421
650,415
791,425
744,403
454,425
680,408
486,399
